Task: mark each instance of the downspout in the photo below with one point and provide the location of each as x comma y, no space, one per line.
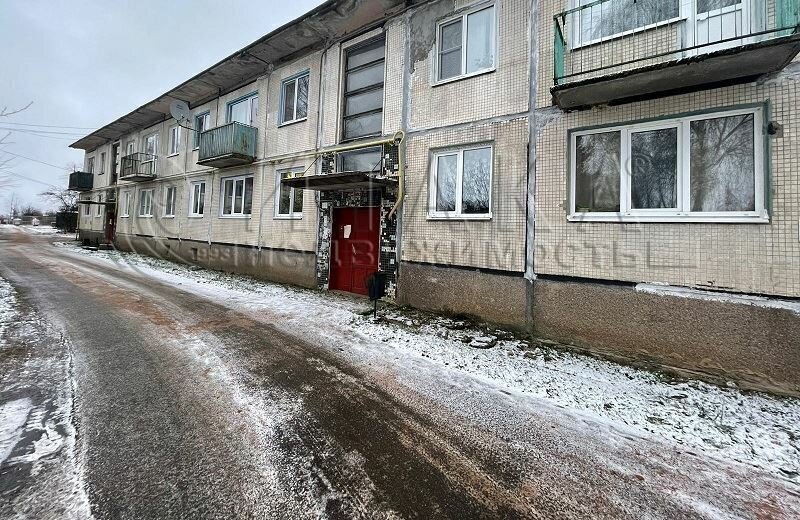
264,156
530,199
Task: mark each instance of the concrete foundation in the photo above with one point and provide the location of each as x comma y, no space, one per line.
94,237
496,298
756,347
283,266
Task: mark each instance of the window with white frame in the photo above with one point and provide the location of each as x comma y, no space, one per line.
174,140
707,167
597,21
244,110
202,122
169,201
237,196
126,204
99,207
102,163
289,203
130,148
197,204
151,147
87,208
466,44
90,164
294,98
146,203
461,183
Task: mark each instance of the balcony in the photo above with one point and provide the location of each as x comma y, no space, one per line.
613,51
138,167
80,181
233,144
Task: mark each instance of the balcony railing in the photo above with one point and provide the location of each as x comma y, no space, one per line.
81,181
138,167
602,39
233,144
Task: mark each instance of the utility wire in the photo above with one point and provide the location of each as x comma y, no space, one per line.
32,159
15,174
50,126
33,130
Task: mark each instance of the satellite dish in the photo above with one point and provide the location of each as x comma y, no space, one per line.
179,110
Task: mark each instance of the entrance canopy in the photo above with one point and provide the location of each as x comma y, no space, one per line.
339,181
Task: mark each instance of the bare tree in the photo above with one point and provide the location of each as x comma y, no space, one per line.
64,199
6,179
29,210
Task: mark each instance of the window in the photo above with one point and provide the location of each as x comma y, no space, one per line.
466,45
126,204
609,19
174,140
130,148
294,98
102,163
461,183
244,110
87,208
151,147
237,196
99,211
202,123
705,167
169,201
290,200
363,91
90,164
146,203
197,205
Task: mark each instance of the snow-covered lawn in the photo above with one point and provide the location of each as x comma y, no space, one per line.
726,423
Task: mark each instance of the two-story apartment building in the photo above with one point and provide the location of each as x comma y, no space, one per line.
580,167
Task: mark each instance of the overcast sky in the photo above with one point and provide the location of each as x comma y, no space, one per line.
85,63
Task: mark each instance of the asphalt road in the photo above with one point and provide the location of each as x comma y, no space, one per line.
186,408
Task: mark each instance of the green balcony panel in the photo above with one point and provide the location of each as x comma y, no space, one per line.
233,144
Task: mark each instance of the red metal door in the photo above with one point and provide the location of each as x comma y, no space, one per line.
354,248
111,224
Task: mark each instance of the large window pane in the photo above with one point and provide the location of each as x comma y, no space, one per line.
227,200
302,97
723,164
360,126
654,169
451,36
248,196
360,103
361,161
601,19
288,100
704,6
297,202
450,64
480,40
446,174
240,112
597,172
284,197
372,75
364,54
476,181
238,196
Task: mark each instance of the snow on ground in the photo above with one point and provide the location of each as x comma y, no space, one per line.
37,437
746,427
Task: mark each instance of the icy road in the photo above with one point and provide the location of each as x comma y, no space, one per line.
135,388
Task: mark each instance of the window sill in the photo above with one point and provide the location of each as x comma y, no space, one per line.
670,219
145,216
124,216
236,217
195,216
460,217
174,154
293,121
288,217
464,76
168,216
